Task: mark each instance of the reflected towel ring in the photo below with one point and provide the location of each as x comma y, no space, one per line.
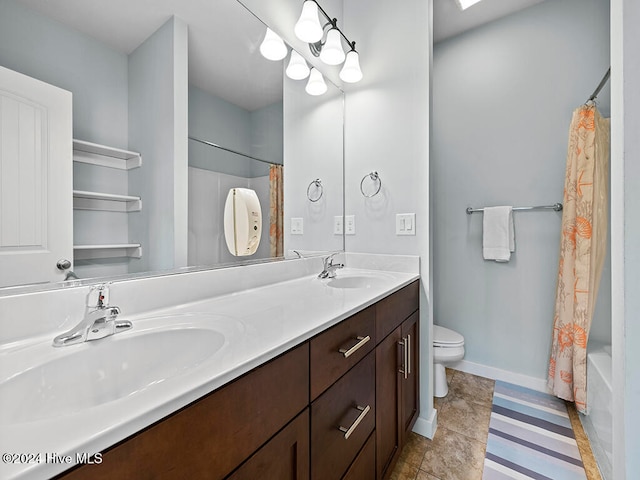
376,178
318,183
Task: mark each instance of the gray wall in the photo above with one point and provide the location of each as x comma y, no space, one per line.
313,133
158,88
258,133
96,75
503,96
387,129
267,138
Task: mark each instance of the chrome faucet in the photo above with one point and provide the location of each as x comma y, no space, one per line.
99,321
329,268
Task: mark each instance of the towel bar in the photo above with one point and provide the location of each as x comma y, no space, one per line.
556,206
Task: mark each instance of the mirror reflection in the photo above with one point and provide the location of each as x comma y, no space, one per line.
172,108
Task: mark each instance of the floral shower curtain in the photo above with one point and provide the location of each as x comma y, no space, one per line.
276,220
582,252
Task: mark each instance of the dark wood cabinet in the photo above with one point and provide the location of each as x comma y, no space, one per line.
338,406
364,466
214,435
397,375
388,401
336,350
285,457
342,419
410,392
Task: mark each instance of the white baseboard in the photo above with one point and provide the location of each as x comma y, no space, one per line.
534,383
427,426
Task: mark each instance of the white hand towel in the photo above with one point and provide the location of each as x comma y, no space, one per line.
498,234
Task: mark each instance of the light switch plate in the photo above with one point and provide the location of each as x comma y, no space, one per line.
297,226
350,224
337,225
405,224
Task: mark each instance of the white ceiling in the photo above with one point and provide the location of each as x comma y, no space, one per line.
448,20
224,37
223,40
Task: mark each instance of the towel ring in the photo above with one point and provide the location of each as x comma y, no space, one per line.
318,183
376,178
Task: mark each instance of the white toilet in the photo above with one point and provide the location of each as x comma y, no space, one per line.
448,347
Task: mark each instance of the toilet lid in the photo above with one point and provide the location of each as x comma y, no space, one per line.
443,337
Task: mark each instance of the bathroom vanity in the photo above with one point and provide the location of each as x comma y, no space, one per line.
270,372
326,409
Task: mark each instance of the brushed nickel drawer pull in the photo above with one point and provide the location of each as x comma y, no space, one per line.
408,354
348,431
404,369
351,351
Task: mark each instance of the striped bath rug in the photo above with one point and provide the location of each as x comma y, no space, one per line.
530,436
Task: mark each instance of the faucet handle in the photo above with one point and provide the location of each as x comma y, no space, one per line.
98,295
328,260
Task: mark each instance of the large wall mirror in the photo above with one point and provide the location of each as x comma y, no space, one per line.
182,83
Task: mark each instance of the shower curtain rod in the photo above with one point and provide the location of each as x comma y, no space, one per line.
215,145
600,85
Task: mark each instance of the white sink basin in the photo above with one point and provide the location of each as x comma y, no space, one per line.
356,281
78,377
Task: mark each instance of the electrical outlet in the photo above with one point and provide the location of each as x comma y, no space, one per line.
350,224
297,226
337,225
405,224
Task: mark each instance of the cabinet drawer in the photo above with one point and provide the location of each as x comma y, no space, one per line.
211,437
342,419
285,457
391,311
338,349
364,466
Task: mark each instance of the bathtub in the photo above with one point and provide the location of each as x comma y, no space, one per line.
598,421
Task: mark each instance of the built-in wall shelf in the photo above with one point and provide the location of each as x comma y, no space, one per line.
88,252
83,200
104,156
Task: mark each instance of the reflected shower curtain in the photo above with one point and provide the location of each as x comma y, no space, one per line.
582,253
276,219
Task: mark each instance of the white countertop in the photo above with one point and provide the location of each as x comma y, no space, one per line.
263,323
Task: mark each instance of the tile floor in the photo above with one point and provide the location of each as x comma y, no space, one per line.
457,450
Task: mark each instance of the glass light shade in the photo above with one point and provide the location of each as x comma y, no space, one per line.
332,52
315,85
308,28
351,72
297,68
464,4
272,47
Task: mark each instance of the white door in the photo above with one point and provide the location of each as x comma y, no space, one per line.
36,193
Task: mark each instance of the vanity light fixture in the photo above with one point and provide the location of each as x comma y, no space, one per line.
308,28
330,50
464,4
315,85
297,68
351,72
272,47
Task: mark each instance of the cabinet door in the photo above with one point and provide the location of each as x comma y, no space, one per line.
388,403
410,390
285,457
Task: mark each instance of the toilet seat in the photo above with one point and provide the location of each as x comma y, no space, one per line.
443,337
